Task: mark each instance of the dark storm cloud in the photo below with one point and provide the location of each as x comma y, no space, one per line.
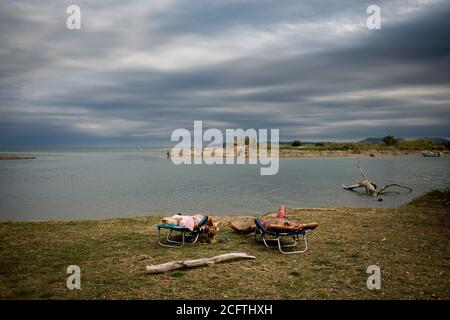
135,72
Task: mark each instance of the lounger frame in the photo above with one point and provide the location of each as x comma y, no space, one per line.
272,236
172,242
187,236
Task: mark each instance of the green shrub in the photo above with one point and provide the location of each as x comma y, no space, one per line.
390,141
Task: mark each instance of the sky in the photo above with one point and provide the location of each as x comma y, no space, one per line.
137,70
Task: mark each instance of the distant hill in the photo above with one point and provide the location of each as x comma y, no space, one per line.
380,140
372,140
437,140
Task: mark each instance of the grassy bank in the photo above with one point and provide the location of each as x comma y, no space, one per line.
404,145
355,149
409,243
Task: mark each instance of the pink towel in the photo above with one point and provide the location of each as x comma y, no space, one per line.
187,222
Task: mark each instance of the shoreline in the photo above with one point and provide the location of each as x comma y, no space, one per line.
304,153
311,153
362,154
161,215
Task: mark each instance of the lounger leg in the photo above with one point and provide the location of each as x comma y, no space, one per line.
292,252
278,242
196,238
184,235
264,240
280,246
168,237
179,244
176,243
293,244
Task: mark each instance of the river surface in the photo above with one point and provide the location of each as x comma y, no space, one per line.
91,184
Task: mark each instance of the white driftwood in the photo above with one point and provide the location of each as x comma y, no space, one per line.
371,188
159,268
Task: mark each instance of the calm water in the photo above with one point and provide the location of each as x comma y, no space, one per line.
81,184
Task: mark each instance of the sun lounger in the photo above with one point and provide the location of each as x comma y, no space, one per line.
276,236
187,236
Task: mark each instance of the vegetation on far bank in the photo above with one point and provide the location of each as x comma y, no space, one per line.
389,143
410,244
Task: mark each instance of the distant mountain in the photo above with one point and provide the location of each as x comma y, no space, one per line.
437,140
372,140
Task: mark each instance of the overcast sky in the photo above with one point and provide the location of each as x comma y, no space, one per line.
139,69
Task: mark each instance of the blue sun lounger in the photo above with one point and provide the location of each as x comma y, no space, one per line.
187,236
276,236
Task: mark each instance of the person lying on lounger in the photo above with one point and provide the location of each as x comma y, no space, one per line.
188,222
209,230
276,222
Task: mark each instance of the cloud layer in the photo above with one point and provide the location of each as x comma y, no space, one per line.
138,70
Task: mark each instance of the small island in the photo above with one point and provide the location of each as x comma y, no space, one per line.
16,158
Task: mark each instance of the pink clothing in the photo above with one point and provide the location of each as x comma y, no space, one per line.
188,222
281,214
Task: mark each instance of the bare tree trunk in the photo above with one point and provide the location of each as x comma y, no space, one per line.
159,268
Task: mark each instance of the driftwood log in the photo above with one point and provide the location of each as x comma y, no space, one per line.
173,265
371,188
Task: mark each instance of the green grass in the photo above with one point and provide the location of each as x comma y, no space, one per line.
410,244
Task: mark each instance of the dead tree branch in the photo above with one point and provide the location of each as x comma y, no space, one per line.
371,188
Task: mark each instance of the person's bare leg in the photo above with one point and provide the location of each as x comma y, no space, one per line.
311,226
237,229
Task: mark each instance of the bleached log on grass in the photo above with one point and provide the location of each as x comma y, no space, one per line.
173,265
